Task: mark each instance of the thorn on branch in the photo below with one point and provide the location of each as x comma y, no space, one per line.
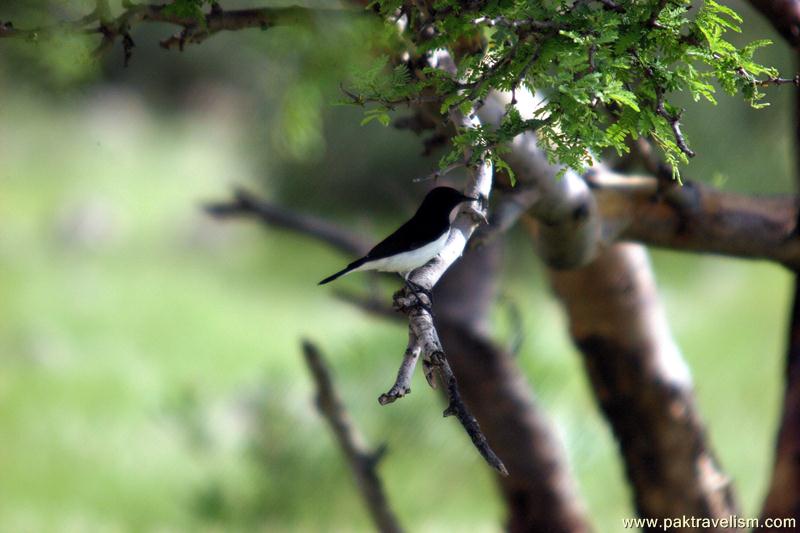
361,100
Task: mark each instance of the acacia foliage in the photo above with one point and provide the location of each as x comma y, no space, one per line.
605,71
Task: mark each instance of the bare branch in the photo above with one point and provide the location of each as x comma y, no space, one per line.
245,203
697,218
779,81
423,337
372,304
362,461
402,385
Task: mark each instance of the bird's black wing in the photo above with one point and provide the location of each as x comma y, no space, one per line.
412,235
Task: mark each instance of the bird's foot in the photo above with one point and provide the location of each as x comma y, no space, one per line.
415,287
413,295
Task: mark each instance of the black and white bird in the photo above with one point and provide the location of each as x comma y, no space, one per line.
414,243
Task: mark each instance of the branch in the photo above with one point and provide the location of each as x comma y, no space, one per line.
361,460
193,29
783,496
245,203
690,218
580,216
423,339
565,206
643,386
673,119
540,492
423,336
638,374
697,218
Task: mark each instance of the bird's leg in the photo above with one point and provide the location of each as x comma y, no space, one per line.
413,295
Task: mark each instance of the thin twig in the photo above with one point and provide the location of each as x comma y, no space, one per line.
361,100
435,175
779,81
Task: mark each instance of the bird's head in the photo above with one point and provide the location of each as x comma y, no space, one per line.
444,199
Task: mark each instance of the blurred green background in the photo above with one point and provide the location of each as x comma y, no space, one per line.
150,373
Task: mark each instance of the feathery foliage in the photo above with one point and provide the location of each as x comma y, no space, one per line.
603,70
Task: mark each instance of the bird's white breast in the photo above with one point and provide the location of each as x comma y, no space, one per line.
408,261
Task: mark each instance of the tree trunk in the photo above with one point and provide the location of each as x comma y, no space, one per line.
643,386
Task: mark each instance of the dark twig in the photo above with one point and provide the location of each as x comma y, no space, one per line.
779,81
245,203
362,100
457,408
673,119
361,460
674,122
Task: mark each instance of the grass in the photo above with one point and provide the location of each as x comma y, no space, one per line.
150,377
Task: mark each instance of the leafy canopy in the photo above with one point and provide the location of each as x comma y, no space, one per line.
604,70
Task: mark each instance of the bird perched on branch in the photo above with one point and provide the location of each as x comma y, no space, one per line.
414,243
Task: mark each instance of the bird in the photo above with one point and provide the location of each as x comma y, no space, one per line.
414,243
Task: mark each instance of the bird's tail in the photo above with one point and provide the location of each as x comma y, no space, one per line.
349,268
